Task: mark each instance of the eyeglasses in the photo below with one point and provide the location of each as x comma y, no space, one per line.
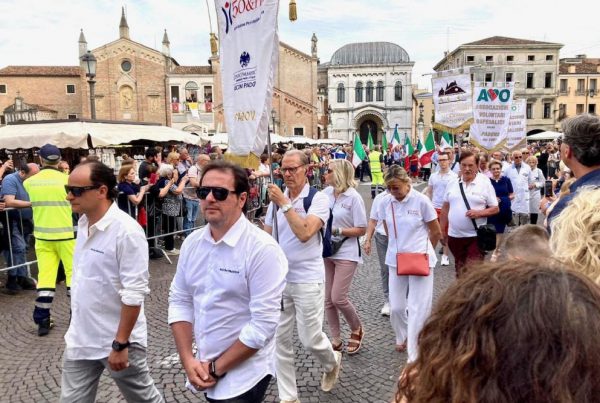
443,160
77,191
220,194
291,170
518,158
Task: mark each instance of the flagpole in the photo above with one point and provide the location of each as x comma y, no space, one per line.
274,231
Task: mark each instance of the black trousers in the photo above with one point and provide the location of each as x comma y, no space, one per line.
254,395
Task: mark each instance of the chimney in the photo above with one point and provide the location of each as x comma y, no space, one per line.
123,27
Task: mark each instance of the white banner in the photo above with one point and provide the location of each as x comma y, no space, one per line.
249,54
517,126
452,99
491,112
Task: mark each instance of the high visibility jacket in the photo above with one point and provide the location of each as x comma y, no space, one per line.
375,160
52,214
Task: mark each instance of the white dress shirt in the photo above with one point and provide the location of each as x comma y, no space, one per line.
305,259
438,182
520,178
110,268
348,212
480,193
230,290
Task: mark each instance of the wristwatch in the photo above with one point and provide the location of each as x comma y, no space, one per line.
120,346
212,370
286,207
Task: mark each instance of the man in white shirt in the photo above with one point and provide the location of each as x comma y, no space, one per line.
436,192
452,157
109,284
304,295
462,234
497,155
520,176
227,293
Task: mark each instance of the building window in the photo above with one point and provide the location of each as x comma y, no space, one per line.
579,109
126,66
341,93
549,58
529,111
547,110
563,85
358,96
72,116
380,91
593,87
510,58
580,86
298,131
470,59
592,108
369,97
175,93
531,58
562,111
2,88
489,77
489,58
70,88
208,95
509,77
2,120
548,80
529,80
398,91
191,91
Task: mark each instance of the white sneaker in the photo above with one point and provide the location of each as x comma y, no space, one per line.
445,261
330,378
290,401
173,252
385,311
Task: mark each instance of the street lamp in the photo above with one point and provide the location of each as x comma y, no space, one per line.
89,64
329,124
420,122
273,116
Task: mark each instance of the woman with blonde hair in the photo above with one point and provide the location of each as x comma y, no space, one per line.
575,236
348,224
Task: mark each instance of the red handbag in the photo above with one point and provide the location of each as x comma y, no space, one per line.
410,264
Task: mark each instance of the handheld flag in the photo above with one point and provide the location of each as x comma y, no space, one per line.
410,150
358,154
396,138
384,144
370,141
427,150
447,141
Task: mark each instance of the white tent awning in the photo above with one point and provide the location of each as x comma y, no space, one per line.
548,135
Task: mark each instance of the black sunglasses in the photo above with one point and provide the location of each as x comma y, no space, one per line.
220,194
77,191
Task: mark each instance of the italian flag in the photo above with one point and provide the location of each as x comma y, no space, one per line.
447,141
370,143
426,151
396,137
409,152
359,152
384,145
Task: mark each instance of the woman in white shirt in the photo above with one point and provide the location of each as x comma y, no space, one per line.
412,227
349,223
535,195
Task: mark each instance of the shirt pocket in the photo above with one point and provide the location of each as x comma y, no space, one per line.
90,292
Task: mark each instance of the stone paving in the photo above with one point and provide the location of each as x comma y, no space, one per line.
30,366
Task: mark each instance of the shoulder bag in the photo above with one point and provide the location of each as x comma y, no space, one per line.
486,234
410,264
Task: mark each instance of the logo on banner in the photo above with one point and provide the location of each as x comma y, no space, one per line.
244,60
233,9
490,95
246,77
452,93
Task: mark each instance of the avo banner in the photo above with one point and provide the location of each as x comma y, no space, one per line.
517,126
491,112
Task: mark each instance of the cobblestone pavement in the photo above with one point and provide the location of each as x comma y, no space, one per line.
30,366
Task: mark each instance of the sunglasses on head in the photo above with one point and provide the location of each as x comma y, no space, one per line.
219,193
77,191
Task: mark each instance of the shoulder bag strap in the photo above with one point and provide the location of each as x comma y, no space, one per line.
396,233
462,191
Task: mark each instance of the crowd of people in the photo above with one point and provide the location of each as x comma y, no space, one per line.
519,327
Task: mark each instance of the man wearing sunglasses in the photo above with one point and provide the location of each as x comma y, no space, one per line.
227,293
304,295
110,283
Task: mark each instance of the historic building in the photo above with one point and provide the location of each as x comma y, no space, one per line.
368,87
531,65
578,87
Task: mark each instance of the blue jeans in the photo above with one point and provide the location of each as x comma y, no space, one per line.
18,246
192,207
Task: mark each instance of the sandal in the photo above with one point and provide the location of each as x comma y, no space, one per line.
355,341
337,347
401,347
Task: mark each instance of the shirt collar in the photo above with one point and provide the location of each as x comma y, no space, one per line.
303,192
591,178
232,236
108,218
408,196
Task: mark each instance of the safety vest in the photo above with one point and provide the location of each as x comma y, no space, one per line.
52,214
375,161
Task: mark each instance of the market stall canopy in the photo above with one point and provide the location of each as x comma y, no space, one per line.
222,139
548,135
74,134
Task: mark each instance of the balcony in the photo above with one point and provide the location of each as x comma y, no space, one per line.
580,92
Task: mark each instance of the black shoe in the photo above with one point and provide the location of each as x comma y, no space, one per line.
12,286
44,326
27,283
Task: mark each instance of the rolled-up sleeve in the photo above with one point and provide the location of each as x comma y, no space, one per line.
181,300
266,281
132,252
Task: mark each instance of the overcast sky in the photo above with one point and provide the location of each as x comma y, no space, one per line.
43,32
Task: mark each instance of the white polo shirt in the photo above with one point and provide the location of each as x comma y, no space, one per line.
348,212
230,290
480,194
438,182
412,215
305,259
375,212
110,268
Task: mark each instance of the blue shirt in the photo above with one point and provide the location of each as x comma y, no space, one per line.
590,179
12,185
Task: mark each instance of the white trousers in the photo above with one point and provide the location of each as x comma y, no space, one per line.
306,304
416,294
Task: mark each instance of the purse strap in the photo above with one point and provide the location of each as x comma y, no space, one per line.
396,232
462,191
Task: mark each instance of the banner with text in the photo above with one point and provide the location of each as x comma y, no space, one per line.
517,126
452,99
491,112
249,56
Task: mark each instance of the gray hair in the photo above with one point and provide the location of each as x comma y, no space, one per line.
582,135
301,156
164,170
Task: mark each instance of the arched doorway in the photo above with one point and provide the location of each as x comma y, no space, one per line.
370,120
366,126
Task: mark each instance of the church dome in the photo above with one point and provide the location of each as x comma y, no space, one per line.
373,53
